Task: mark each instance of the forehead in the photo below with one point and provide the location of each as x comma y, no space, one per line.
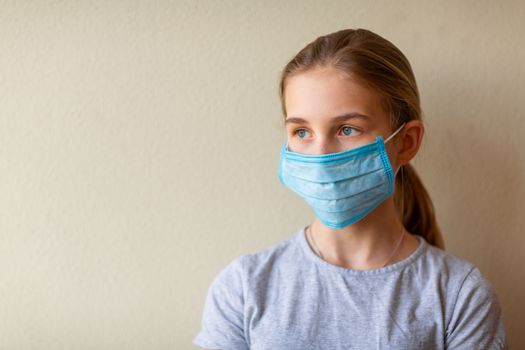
326,92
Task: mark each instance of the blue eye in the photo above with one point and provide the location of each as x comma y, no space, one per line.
347,130
300,132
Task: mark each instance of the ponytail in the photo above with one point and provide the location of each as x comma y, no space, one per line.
418,211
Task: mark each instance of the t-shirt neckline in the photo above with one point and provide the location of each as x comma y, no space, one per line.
301,237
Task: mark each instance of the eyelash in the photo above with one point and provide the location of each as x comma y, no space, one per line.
342,127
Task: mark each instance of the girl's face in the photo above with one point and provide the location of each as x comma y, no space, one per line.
327,113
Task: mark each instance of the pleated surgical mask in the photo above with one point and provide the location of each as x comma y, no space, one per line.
341,187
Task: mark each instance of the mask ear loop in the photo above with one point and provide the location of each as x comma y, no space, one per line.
395,132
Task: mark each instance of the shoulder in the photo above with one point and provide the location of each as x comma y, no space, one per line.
281,252
445,259
449,269
258,263
458,274
474,318
223,320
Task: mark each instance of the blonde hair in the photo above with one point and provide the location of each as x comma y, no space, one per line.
378,64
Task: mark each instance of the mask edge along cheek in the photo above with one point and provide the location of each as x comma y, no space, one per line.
387,166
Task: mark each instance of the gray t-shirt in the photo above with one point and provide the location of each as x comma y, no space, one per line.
286,297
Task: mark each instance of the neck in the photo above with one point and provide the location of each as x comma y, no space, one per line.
366,244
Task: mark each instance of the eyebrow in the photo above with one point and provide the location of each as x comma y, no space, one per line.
340,118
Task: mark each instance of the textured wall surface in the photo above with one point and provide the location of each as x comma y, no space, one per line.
139,143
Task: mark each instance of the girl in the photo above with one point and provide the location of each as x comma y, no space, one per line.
370,271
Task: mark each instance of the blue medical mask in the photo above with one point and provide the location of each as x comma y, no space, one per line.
341,187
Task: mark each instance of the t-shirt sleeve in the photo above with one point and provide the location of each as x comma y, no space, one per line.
476,321
223,316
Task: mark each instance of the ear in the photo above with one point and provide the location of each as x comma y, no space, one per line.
409,141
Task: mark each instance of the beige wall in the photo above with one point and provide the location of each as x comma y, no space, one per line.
139,145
